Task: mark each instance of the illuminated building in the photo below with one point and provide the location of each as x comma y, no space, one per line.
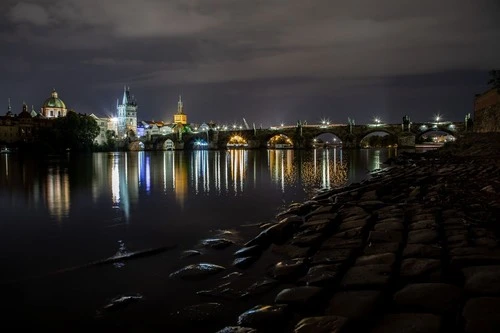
54,107
127,115
180,118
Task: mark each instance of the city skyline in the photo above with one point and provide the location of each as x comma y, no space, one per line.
269,63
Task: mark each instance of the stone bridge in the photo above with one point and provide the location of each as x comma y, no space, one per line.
302,136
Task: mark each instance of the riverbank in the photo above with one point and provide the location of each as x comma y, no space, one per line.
414,249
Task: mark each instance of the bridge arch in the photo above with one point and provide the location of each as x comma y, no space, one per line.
437,130
280,141
389,138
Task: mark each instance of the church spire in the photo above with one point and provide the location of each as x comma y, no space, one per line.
180,107
9,108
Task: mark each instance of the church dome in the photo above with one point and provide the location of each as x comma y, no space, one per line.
54,101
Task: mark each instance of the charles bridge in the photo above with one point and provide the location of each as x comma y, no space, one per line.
302,136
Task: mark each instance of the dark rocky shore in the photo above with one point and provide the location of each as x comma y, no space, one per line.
414,248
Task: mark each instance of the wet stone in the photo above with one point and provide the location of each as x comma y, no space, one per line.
482,280
422,236
486,242
481,315
237,329
395,226
200,312
351,233
422,251
416,267
321,275
253,250
265,317
423,217
217,243
260,287
371,205
244,262
376,259
307,240
119,303
288,269
299,296
429,297
190,253
316,226
409,323
366,276
330,256
426,224
290,251
469,256
353,225
385,236
197,271
339,243
359,304
377,248
324,324
352,211
319,217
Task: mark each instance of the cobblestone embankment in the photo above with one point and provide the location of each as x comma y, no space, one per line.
413,249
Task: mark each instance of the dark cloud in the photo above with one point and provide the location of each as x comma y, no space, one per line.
292,57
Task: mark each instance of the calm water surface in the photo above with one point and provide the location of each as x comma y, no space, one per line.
65,211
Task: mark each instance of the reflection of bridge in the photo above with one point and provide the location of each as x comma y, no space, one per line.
302,136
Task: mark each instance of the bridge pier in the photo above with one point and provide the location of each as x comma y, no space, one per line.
406,140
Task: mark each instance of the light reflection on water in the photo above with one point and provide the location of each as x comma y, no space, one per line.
126,177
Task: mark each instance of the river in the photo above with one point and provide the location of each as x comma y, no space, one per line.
64,211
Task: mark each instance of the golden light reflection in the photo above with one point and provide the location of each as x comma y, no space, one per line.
238,167
181,180
280,141
325,169
57,193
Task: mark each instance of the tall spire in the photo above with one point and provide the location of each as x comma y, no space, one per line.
9,108
125,93
180,108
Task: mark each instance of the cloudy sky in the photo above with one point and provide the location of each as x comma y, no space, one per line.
269,61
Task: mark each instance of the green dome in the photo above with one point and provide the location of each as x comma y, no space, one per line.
54,102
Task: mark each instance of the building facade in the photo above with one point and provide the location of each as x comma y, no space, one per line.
126,115
22,127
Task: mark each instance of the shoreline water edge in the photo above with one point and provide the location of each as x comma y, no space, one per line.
414,248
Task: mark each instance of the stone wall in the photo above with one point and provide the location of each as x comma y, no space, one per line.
487,112
487,120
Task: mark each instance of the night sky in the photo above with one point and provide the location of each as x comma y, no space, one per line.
268,61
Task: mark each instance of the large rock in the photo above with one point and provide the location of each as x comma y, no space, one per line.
422,236
378,248
330,256
288,269
409,323
197,271
301,297
385,236
367,276
265,317
376,259
416,267
361,223
321,275
481,315
216,243
200,312
355,305
438,298
394,226
482,280
324,324
422,251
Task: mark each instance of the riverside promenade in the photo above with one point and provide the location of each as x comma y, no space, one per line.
414,248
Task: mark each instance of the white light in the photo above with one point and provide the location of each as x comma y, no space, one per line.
282,125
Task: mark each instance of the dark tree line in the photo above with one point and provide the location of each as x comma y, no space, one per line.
75,132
